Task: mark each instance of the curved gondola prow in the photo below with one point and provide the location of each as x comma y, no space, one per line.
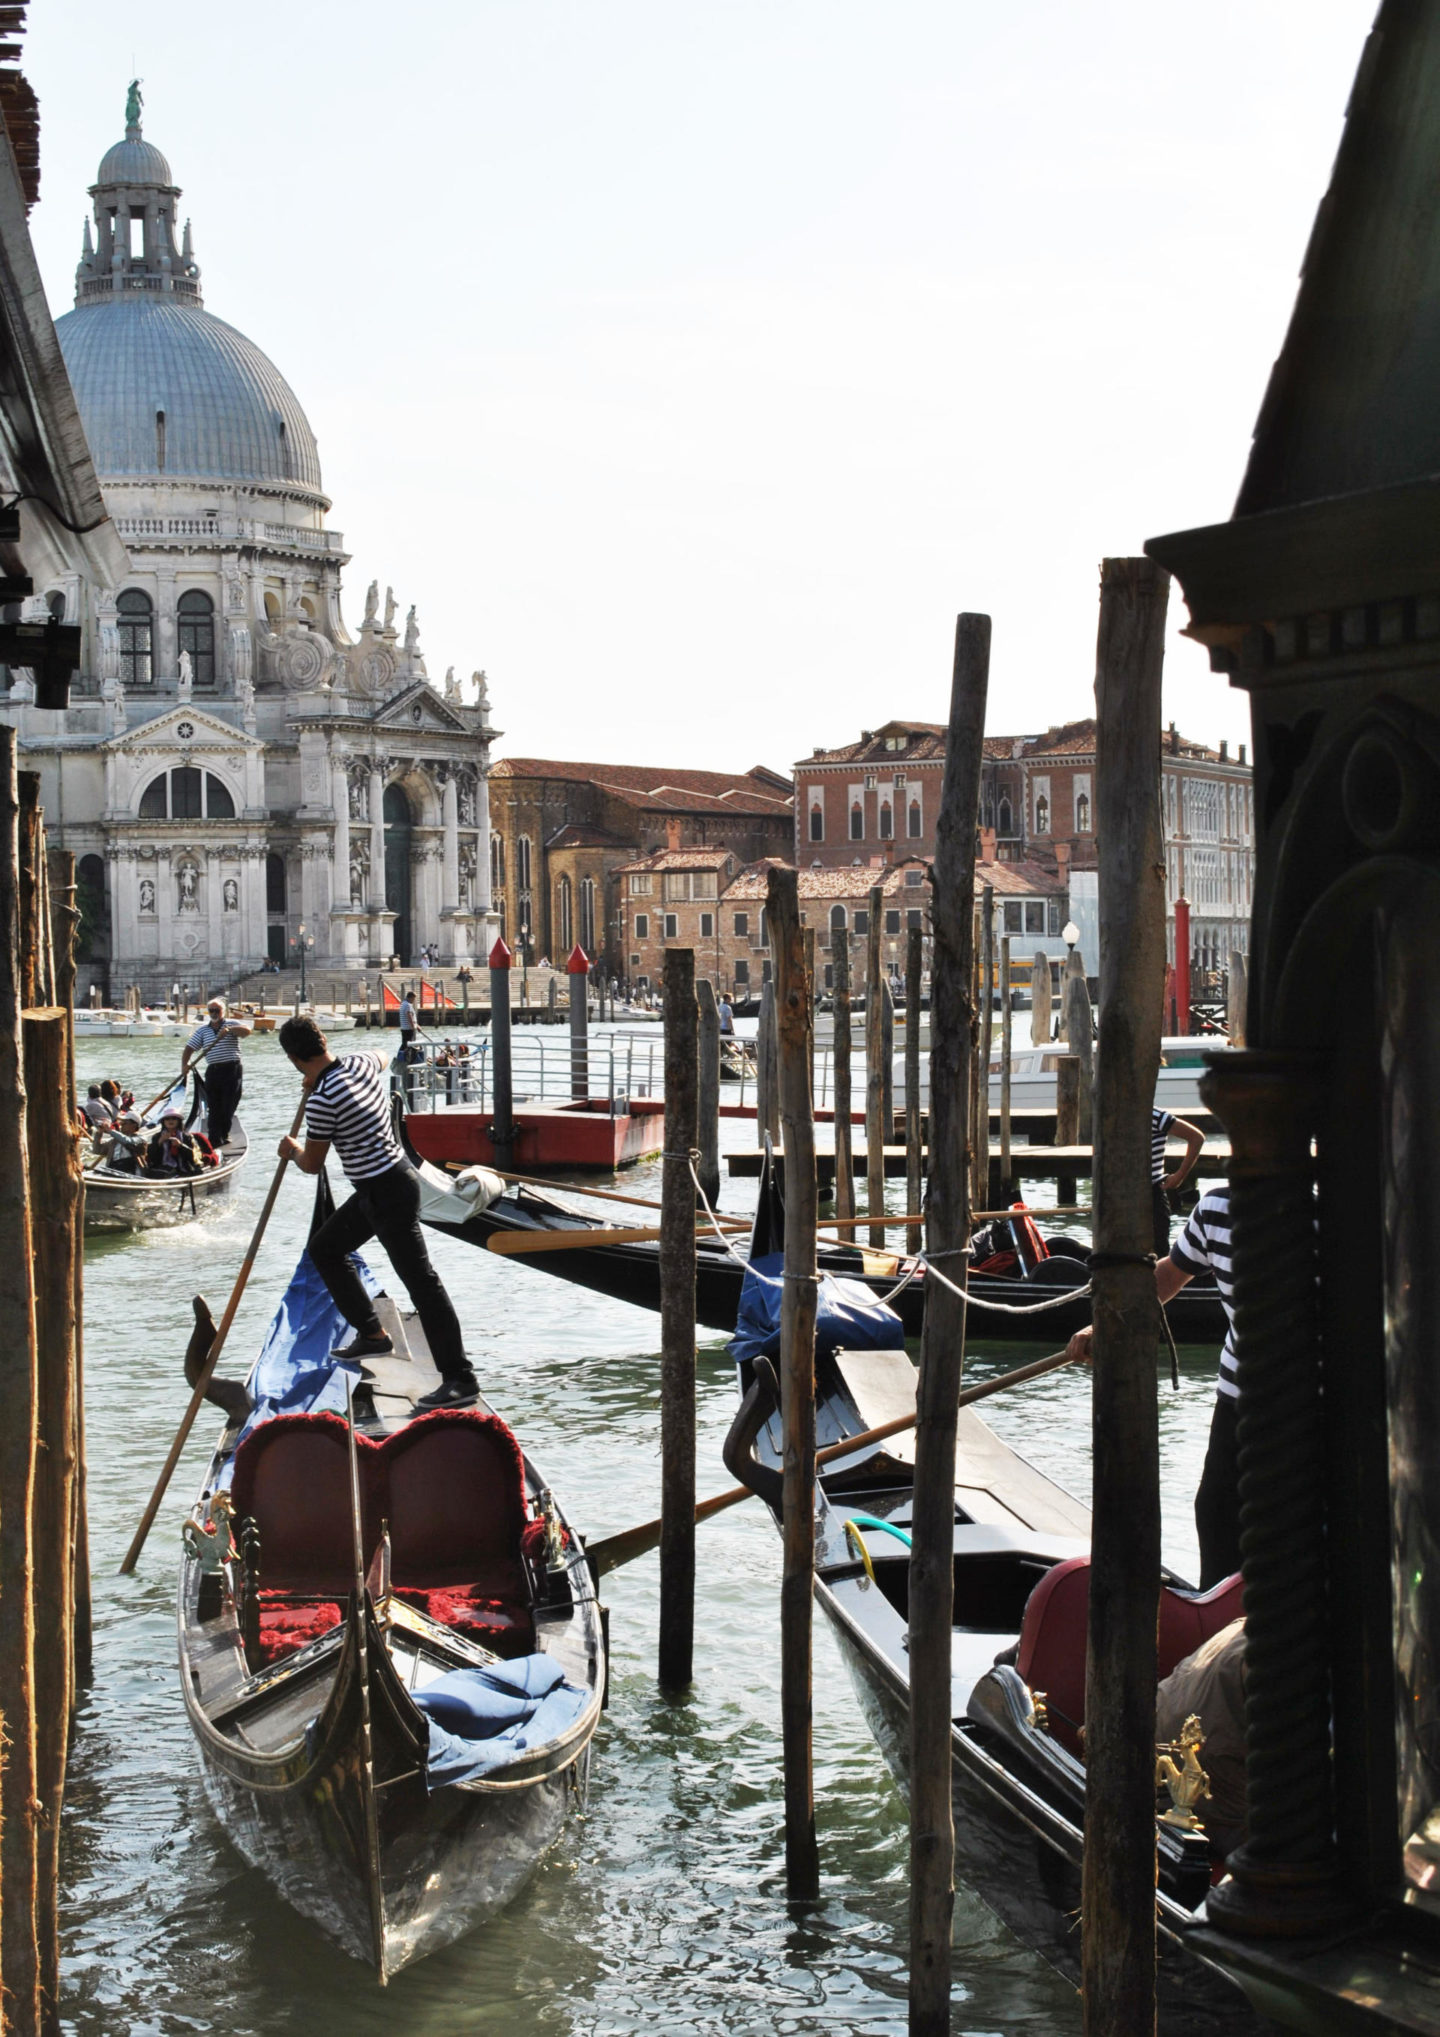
767,1233
761,1401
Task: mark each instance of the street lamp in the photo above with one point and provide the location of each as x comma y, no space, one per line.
304,942
1070,934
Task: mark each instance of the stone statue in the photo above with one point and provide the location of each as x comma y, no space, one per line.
134,100
465,799
232,895
452,691
482,691
187,676
147,894
357,877
389,608
372,603
412,633
359,799
187,884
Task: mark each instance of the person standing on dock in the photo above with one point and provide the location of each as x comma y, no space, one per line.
219,1041
1162,1124
1205,1246
349,1107
407,1025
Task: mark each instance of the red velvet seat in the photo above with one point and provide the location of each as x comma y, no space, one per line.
1053,1637
455,1501
292,1476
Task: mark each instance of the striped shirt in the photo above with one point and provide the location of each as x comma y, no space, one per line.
224,1046
350,1106
1205,1244
1160,1123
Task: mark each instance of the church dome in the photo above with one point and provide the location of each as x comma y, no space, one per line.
134,161
228,412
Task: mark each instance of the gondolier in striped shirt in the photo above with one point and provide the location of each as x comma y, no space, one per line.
217,1043
1162,1124
349,1107
1204,1245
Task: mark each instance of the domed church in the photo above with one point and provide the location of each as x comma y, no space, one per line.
234,765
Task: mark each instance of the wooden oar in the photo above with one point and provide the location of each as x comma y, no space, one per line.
197,1398
524,1244
180,1078
632,1542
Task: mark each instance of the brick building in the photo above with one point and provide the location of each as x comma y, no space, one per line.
561,832
670,900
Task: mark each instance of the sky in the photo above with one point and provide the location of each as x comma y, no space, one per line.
690,367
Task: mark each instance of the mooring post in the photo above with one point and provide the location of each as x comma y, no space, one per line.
767,1071
1237,993
844,1141
1067,1120
577,968
1079,1030
677,1326
914,1163
1183,1022
874,1072
1007,1032
887,1060
1040,1000
502,1092
19,1836
1118,1883
707,1090
797,1378
932,1557
984,1170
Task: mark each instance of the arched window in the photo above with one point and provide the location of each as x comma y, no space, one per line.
564,917
837,919
92,940
522,858
857,822
913,822
1007,816
187,794
196,613
55,602
817,823
587,916
1042,815
887,821
274,883
137,625
1082,814
497,865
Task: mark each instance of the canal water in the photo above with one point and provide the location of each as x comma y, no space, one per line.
663,1908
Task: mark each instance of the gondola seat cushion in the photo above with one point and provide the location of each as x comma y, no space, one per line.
1053,1638
287,1625
503,1626
292,1477
455,1501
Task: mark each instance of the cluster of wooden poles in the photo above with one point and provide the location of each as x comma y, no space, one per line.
1119,1869
44,1554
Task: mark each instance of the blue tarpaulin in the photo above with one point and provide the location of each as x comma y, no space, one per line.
847,1318
480,1719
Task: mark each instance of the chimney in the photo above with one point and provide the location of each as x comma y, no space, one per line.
987,845
1174,740
1242,753
1062,861
672,831
1224,749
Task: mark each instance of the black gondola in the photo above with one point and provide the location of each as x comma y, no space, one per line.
1019,1792
351,1598
631,1272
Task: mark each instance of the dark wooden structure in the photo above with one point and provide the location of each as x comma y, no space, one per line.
1322,598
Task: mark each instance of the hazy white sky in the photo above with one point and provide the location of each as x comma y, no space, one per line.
691,366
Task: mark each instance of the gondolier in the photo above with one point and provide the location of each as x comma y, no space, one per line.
349,1108
218,1040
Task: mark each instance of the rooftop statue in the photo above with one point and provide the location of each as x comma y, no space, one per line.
372,603
389,608
134,100
412,633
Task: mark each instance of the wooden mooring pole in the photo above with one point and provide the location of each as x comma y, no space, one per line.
1040,999
1118,1885
844,1144
795,1011
502,1090
874,1072
677,1327
767,1072
1078,1030
914,1158
707,1090
1007,1034
932,1581
989,1185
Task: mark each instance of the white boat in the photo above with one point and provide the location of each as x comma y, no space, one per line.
119,1201
1177,1088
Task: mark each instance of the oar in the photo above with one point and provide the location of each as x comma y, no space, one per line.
179,1078
197,1398
524,1244
633,1542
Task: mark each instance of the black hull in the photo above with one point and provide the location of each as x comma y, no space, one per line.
632,1273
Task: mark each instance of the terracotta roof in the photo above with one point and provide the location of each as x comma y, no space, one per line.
577,836
927,741
757,791
1028,880
1071,738
1032,880
679,859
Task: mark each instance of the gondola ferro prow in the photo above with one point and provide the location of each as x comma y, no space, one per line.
761,1401
229,1395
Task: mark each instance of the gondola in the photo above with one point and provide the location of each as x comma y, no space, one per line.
631,1272
118,1201
391,1653
1021,1577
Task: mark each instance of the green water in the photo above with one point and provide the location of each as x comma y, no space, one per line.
663,1908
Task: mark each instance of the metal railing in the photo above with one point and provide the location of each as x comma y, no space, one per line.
610,1069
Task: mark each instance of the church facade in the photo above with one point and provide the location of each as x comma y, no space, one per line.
236,773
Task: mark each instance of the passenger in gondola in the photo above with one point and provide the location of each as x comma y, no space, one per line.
1205,1245
123,1148
95,1109
170,1152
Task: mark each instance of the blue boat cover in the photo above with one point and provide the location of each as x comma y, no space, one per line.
295,1372
847,1318
480,1719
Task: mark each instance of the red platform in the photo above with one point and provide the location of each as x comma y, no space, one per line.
556,1136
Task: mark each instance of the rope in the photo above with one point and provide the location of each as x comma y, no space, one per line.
1150,1259
1006,1308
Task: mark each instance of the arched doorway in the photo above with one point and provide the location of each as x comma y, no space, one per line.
275,892
399,824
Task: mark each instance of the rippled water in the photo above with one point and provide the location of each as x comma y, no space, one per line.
663,1909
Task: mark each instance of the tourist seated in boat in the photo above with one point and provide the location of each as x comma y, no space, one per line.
1210,1686
174,1151
122,1147
95,1109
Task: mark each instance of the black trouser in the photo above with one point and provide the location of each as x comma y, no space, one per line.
388,1208
222,1098
1160,1214
1217,1502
